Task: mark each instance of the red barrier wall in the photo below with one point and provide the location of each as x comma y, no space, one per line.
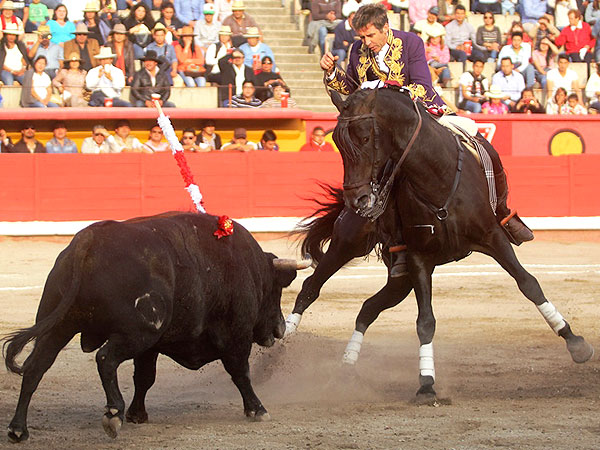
259,184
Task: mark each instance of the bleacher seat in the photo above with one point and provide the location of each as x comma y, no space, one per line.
581,69
456,70
489,69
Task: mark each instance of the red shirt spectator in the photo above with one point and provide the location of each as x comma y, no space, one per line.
576,37
317,142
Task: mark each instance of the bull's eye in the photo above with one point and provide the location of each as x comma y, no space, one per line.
365,139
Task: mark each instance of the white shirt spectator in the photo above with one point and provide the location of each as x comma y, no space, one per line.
559,81
40,84
89,145
74,9
457,34
512,84
561,11
206,34
523,56
110,88
466,80
593,87
14,59
213,56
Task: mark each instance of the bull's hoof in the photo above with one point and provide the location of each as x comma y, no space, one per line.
136,416
580,350
112,423
16,435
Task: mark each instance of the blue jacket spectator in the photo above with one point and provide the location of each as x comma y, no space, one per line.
60,143
532,10
344,38
254,47
189,11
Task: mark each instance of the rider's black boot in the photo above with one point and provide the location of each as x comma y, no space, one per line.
516,230
398,266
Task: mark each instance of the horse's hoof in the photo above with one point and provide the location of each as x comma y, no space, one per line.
111,425
136,417
18,435
258,416
580,350
427,399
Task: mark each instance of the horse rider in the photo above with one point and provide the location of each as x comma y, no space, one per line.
384,56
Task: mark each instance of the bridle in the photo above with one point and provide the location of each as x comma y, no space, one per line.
381,188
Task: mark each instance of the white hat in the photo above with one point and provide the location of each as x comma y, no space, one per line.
495,92
105,53
238,5
91,6
436,32
225,29
12,28
8,4
252,32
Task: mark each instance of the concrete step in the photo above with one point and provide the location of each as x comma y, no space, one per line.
312,91
283,50
275,36
275,26
279,43
274,13
252,5
291,76
306,83
305,64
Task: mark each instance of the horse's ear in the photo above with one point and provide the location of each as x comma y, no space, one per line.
337,100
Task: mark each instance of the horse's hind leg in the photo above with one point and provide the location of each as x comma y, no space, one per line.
389,296
35,366
503,252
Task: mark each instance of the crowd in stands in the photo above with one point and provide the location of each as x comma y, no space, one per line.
86,52
122,141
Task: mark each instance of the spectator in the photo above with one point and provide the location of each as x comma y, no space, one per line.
122,141
317,142
577,39
592,88
13,57
8,17
155,142
106,81
489,38
223,9
561,11
150,83
61,28
438,56
473,87
207,28
86,48
280,99
123,50
517,27
38,14
97,142
574,106
165,52
190,60
138,23
418,10
509,6
460,36
558,103
562,76
75,7
6,144
70,82
487,6
532,10
239,22
60,143
344,37
447,9
321,9
495,105
544,29
247,99
519,53
208,139
430,25
544,60
592,12
98,28
240,142
266,78
328,26
254,51
53,52
189,11
171,22
234,72
508,81
28,142
216,52
37,87
528,104
268,141
188,141
596,36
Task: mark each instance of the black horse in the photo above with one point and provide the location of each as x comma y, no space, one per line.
404,170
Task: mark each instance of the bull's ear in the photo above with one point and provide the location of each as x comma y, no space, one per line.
337,100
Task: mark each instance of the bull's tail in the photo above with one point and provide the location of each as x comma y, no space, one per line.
318,230
15,342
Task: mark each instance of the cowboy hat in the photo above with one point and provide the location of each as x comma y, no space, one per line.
495,92
74,57
105,53
225,29
151,56
187,31
43,29
436,32
12,28
238,5
252,32
158,27
81,28
8,4
91,6
119,29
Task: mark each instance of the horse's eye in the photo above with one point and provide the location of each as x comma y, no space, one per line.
365,139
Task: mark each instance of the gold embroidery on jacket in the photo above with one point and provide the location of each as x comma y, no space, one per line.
338,83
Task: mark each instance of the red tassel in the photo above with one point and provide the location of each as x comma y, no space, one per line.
225,227
186,173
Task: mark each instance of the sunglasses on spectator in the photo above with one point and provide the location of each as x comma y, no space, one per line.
29,128
238,56
189,137
99,134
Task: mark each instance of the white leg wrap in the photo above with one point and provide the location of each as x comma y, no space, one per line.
426,365
552,316
291,323
353,348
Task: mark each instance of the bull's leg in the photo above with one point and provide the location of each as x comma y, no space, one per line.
349,240
394,292
420,274
236,364
144,376
35,366
504,254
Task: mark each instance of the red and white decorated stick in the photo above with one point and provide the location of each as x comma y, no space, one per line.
177,149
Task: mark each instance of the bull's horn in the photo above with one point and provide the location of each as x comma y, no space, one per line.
280,263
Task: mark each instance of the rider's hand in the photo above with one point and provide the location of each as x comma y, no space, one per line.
328,62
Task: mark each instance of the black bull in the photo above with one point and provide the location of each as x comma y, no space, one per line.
150,286
374,129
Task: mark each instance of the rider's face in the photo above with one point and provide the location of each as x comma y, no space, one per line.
374,38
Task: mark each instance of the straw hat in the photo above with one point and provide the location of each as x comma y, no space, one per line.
81,28
495,92
119,29
252,32
158,27
238,5
225,29
91,6
187,31
436,32
42,29
74,57
8,4
105,53
12,28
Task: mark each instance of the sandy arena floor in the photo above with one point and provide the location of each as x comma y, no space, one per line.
508,381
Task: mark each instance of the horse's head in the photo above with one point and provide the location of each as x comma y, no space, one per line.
369,135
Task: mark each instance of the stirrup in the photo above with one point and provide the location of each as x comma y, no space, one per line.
398,266
515,229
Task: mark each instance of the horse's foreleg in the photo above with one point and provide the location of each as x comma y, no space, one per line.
503,252
389,296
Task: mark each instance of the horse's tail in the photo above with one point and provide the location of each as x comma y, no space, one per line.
318,227
15,342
